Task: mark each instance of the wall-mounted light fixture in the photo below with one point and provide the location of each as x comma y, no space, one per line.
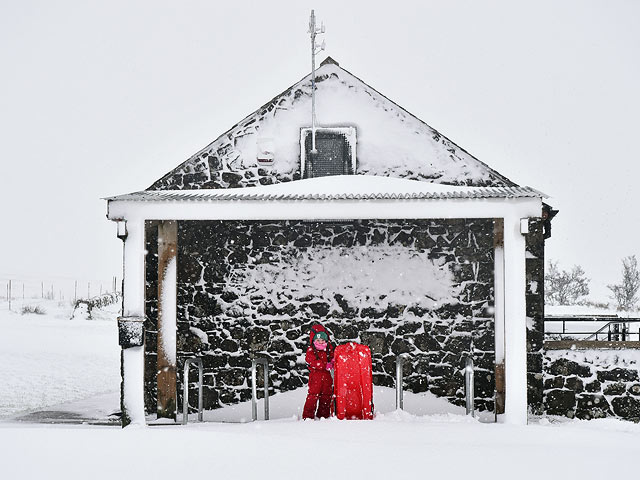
122,229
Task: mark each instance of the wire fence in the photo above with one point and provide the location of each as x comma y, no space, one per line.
55,288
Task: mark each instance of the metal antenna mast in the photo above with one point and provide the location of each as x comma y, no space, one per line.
313,30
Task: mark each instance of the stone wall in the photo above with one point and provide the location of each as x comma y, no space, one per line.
151,323
535,314
590,384
424,287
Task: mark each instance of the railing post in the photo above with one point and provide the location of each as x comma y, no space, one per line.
400,359
254,387
469,386
185,389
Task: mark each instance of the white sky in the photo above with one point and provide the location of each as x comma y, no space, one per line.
102,98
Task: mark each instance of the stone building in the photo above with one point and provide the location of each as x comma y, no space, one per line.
389,233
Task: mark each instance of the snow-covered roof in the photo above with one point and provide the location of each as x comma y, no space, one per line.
342,187
391,142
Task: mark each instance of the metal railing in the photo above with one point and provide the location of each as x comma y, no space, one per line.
400,359
615,332
254,387
614,328
469,386
185,389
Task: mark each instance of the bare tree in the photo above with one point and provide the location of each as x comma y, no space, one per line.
626,293
562,287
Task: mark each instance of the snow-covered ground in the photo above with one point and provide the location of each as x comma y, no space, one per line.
393,446
49,359
288,406
49,362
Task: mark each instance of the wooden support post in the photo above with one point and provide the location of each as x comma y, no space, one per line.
498,275
167,326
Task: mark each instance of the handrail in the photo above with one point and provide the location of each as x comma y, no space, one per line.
609,319
624,332
400,359
185,389
254,387
469,386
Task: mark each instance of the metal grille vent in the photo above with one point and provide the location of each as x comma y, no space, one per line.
333,156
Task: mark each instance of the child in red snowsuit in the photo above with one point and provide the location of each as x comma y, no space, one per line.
319,358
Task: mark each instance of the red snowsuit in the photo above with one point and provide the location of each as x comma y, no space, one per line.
320,381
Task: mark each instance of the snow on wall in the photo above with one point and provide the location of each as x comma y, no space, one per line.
255,288
357,274
390,141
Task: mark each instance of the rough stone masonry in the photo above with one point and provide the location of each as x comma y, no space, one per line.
239,296
590,384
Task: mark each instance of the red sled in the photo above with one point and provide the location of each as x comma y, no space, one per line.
353,383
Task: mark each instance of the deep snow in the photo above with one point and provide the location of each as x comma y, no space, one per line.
394,445
51,359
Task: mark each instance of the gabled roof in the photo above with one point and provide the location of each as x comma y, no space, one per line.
391,142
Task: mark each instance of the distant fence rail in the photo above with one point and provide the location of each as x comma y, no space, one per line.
592,328
56,288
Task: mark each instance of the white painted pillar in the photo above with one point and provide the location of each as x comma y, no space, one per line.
131,324
515,328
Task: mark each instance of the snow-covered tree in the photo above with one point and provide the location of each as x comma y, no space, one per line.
562,287
626,292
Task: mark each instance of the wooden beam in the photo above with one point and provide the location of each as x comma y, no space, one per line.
167,273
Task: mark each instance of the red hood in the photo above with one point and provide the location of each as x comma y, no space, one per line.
315,329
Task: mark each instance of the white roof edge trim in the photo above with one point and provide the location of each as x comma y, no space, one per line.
205,196
348,209
339,187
